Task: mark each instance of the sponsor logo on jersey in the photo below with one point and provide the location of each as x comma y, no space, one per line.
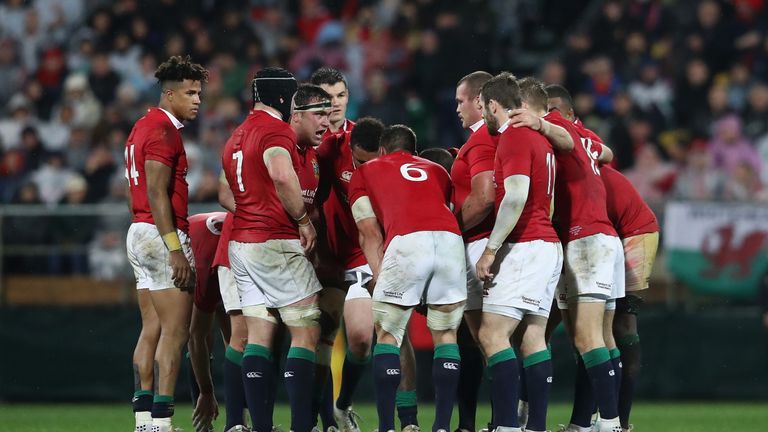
346,176
316,168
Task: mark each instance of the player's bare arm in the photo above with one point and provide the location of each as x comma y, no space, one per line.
226,198
371,238
479,202
510,209
606,156
280,168
158,181
206,407
559,137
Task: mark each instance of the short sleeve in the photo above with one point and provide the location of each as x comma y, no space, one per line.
280,139
357,187
161,146
514,154
328,150
480,158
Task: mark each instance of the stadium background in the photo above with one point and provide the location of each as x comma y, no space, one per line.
677,88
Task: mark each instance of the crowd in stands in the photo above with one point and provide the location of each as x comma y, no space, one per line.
676,87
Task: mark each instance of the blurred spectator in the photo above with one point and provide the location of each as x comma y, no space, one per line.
602,84
51,179
652,177
652,94
33,149
617,133
11,72
103,80
711,36
99,169
20,117
744,184
738,86
78,94
756,117
381,102
691,94
106,256
698,180
12,13
70,233
12,174
730,148
24,231
55,133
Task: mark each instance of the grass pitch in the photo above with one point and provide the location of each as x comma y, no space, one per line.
661,417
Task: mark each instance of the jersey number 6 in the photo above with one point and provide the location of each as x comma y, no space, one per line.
408,171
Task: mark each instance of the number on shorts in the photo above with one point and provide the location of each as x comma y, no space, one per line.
550,173
238,156
587,144
130,161
407,170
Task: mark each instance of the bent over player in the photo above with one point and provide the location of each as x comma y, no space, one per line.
157,243
413,244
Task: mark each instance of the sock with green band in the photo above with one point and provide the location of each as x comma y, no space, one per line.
601,374
446,368
386,375
630,362
538,374
234,394
162,406
505,372
407,408
299,377
351,373
258,380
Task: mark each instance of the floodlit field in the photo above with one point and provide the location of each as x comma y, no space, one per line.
656,417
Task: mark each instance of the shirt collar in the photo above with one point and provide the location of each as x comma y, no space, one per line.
477,125
270,113
173,119
504,127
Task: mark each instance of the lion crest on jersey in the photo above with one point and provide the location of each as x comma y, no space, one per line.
316,168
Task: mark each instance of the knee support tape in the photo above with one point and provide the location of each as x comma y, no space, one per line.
439,320
300,316
392,319
259,311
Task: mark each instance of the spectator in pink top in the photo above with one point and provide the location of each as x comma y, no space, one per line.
730,147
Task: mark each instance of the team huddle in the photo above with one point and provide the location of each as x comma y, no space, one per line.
332,222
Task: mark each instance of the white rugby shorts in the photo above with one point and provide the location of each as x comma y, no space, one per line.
230,297
149,256
275,273
356,278
593,270
526,276
428,265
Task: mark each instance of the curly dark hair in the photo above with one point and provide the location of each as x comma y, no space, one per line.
178,69
366,134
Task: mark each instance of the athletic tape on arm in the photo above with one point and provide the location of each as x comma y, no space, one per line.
274,151
362,209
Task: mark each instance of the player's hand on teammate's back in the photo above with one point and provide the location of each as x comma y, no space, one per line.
308,237
183,275
206,411
521,117
483,267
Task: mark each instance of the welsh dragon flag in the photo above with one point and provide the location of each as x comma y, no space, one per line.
717,248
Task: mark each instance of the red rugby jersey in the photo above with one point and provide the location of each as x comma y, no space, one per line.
259,214
522,151
156,137
627,210
204,234
335,158
408,194
475,156
222,250
579,192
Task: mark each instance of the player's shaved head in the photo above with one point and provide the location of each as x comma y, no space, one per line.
440,156
474,82
532,92
504,89
366,134
398,137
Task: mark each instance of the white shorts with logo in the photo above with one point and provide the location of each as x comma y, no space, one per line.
275,273
230,297
428,265
474,285
150,258
593,271
526,276
356,278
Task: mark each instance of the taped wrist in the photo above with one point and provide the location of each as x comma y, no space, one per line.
172,241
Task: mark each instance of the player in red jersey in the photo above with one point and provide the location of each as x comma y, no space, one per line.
638,229
522,260
157,241
204,233
413,244
474,195
593,274
271,237
341,155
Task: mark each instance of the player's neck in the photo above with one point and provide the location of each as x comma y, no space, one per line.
261,107
166,106
335,127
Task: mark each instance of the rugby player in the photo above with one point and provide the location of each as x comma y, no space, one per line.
412,258
339,155
638,230
271,236
440,156
522,260
157,242
593,274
